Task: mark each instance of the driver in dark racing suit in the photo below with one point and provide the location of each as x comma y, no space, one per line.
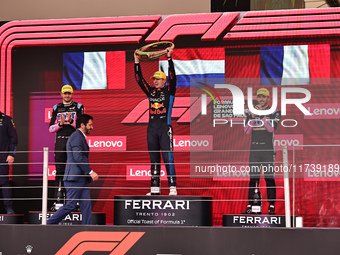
262,152
160,133
63,123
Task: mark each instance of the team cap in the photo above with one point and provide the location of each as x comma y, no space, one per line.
262,91
159,75
67,88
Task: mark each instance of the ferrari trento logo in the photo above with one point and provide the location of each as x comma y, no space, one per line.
116,243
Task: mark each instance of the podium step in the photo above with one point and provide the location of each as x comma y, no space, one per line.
254,220
11,218
163,210
74,218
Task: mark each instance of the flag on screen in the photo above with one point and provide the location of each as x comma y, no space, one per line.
202,63
94,70
294,64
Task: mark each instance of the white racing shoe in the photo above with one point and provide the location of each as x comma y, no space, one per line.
154,191
173,191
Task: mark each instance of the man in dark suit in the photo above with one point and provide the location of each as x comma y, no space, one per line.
78,173
8,145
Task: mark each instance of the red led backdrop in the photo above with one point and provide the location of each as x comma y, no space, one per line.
32,53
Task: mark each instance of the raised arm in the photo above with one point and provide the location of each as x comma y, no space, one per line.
54,124
139,77
172,73
248,128
272,122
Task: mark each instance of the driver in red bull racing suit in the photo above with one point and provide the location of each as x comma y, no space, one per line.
160,134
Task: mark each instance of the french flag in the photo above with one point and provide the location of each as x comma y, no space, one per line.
294,64
94,70
196,63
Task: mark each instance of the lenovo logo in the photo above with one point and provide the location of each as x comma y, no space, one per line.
288,140
48,114
194,142
323,111
51,172
142,172
107,143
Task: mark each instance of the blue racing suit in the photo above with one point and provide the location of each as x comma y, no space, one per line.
160,133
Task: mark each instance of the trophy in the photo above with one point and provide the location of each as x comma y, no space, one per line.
60,198
155,181
154,51
256,207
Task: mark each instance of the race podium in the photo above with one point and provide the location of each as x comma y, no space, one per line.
74,218
163,210
11,219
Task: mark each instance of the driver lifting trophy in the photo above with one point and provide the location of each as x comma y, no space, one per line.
161,97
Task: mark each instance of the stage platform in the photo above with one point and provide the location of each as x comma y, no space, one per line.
163,210
151,240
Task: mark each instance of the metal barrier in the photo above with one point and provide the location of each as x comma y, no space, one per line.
196,179
315,184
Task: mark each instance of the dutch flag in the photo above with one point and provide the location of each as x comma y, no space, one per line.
196,63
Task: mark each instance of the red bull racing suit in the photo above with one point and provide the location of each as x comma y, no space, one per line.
160,133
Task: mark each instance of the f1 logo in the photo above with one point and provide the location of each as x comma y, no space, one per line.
181,111
114,242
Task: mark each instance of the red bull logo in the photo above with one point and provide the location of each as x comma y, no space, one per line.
157,105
